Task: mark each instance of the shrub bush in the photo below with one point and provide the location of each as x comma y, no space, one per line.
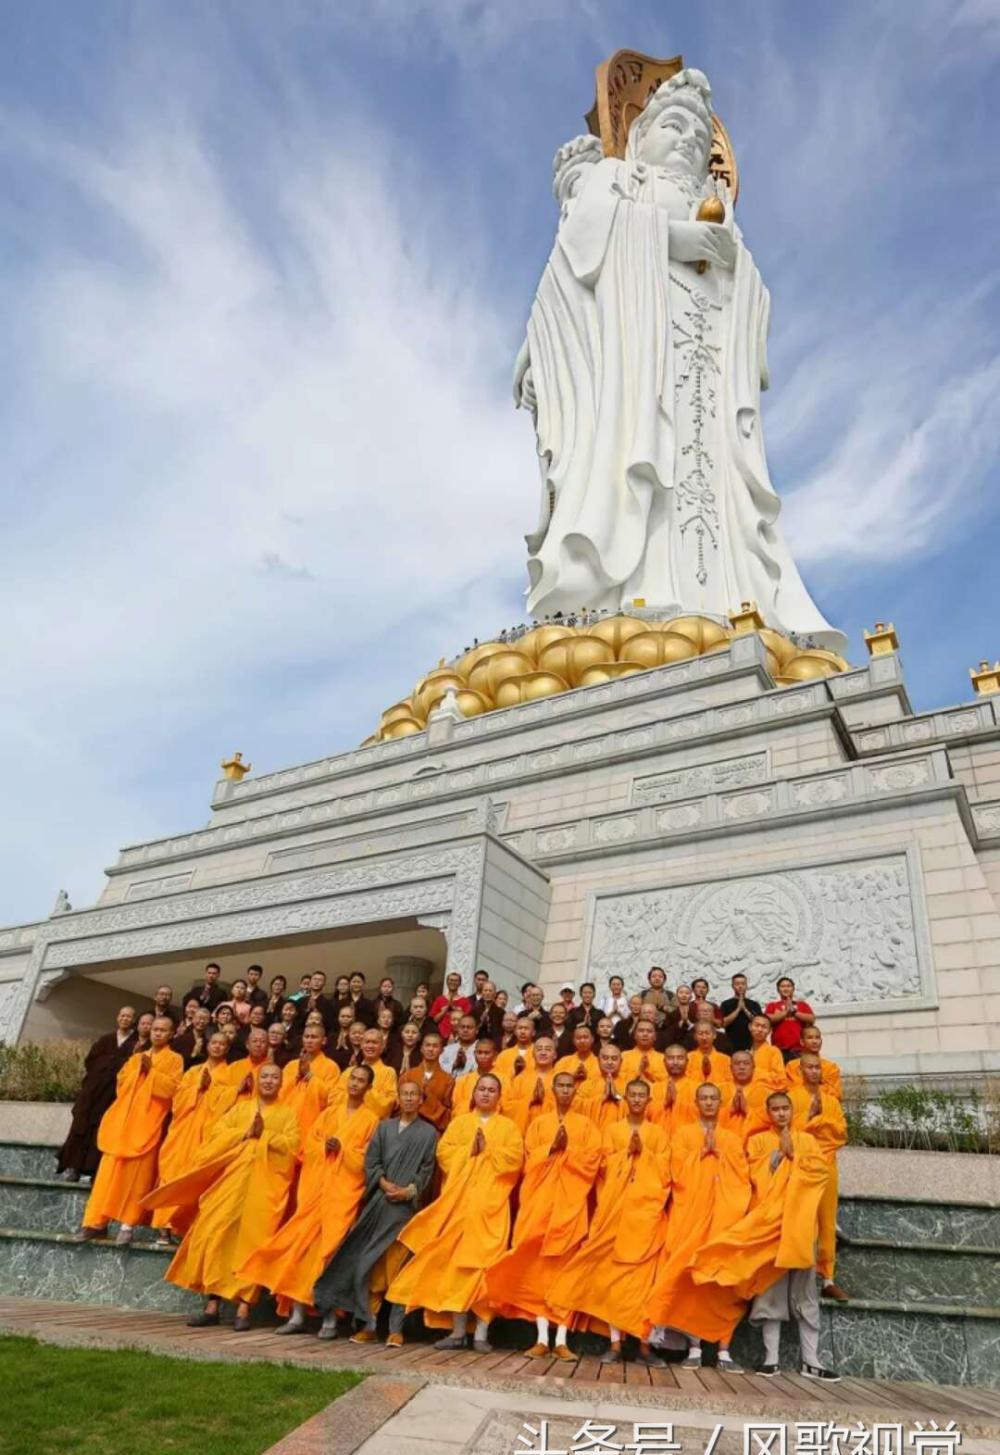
46,1071
924,1118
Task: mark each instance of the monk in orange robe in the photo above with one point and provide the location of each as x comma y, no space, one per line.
818,1112
518,1059
437,1086
129,1136
244,1073
241,1183
582,1062
604,1100
642,1061
673,1104
744,1099
769,1255
610,1276
562,1157
529,1095
812,1042
204,1095
465,1230
769,1064
381,1095
309,1081
330,1189
705,1063
711,1191
486,1053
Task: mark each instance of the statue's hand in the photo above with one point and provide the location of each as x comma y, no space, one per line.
698,242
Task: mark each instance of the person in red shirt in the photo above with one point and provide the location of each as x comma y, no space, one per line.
788,1016
448,1007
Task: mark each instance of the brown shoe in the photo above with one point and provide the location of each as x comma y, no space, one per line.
538,1351
394,1341
834,1291
563,1351
364,1336
89,1235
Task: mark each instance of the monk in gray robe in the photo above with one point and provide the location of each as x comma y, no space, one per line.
399,1165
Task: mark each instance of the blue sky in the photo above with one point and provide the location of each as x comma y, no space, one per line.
263,273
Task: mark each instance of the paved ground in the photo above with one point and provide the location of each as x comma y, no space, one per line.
421,1402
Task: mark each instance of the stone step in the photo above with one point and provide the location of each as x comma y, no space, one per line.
937,1344
904,1220
920,1273
35,1264
27,1159
48,1206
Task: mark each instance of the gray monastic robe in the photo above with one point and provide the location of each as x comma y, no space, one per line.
403,1157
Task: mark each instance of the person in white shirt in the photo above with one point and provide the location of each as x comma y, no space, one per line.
459,1058
616,1001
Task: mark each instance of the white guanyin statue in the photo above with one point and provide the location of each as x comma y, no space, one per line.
643,370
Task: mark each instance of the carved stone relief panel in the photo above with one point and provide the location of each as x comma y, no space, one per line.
848,933
701,778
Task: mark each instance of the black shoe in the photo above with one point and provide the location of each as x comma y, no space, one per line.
611,1356
768,1370
814,1371
241,1323
203,1320
69,1175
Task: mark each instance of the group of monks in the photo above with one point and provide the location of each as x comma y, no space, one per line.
652,1184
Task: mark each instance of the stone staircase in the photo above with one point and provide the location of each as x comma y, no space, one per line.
924,1277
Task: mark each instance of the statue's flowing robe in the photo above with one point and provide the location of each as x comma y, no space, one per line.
648,377
405,1156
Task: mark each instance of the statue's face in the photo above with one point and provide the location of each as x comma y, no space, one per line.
677,140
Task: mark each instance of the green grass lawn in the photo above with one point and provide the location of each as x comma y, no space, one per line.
93,1402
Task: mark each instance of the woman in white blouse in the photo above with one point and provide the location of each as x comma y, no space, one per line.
616,1001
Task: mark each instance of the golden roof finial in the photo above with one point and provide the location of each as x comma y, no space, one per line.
236,770
882,641
985,679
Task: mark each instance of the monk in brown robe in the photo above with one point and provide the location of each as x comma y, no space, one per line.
79,1156
437,1085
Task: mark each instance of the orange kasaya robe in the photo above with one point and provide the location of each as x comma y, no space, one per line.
240,1070
193,1113
461,1233
439,1089
593,1101
506,1063
574,1064
241,1187
717,1070
744,1108
552,1215
465,1086
830,1079
129,1138
522,1103
777,1234
710,1192
380,1096
830,1131
648,1066
331,1186
671,1111
307,1088
610,1276
769,1067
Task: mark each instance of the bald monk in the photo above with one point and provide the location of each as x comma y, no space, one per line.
768,1256
242,1181
78,1156
582,1063
381,1095
705,1063
744,1099
562,1157
673,1104
329,1193
437,1086
486,1056
244,1072
129,1137
519,1058
308,1082
205,1094
603,1101
710,1182
818,1112
769,1064
529,1095
466,1229
812,1042
610,1276
642,1061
